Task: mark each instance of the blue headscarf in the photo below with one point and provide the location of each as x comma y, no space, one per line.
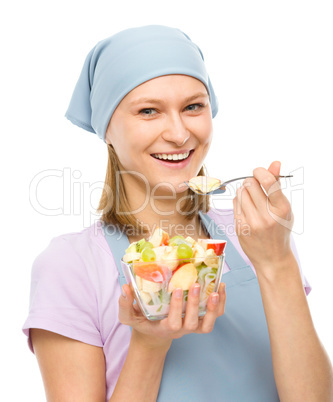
118,64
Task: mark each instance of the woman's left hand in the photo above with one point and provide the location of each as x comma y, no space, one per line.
263,222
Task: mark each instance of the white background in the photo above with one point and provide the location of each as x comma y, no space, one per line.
271,65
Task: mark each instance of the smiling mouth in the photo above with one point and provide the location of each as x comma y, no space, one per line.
173,158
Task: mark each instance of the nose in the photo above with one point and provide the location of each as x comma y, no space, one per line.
175,130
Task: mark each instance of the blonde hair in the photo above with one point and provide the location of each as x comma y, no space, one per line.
118,213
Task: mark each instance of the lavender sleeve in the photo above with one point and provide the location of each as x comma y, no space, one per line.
306,285
63,298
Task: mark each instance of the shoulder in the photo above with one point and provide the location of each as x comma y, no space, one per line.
74,287
221,215
73,254
224,219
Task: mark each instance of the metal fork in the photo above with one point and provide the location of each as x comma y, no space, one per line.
222,189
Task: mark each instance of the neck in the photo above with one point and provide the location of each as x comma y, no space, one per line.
162,210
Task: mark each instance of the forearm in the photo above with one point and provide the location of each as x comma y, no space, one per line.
301,366
141,374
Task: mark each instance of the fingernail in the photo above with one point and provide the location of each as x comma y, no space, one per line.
178,293
223,287
215,298
123,293
196,290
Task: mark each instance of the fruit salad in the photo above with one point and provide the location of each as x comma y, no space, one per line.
155,268
204,184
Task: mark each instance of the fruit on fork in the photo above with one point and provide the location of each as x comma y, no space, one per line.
206,185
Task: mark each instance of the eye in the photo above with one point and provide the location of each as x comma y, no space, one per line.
194,107
147,112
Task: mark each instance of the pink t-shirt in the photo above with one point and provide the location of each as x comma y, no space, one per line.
75,291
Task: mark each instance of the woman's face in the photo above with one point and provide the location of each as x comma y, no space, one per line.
166,117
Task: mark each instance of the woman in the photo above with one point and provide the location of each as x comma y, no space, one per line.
146,93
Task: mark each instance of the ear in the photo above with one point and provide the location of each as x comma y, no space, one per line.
107,137
108,134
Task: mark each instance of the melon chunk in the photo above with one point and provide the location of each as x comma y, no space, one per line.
159,238
138,281
211,260
199,254
130,257
170,259
149,286
204,184
145,297
190,240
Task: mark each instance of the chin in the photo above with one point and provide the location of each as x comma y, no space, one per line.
169,188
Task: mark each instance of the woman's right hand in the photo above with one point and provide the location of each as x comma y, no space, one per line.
162,332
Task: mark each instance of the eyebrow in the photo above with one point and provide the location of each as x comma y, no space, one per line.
152,100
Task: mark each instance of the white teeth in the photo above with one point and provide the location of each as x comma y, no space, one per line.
174,157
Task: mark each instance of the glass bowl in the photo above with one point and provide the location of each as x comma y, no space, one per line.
153,282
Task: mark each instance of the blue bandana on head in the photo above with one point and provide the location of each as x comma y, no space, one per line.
118,64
